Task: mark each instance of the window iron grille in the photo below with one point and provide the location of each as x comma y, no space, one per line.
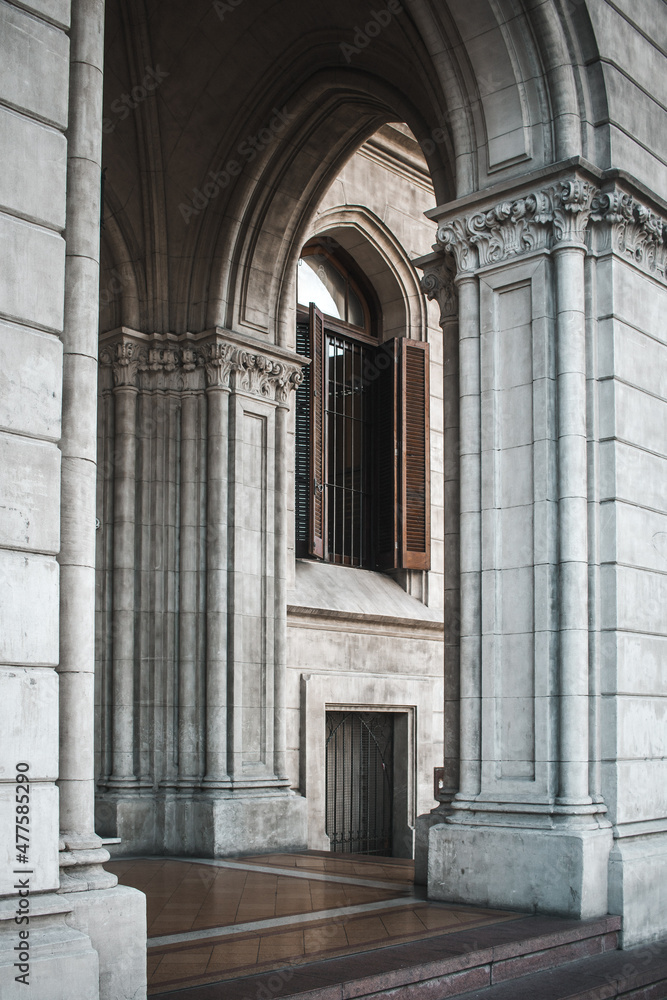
359,782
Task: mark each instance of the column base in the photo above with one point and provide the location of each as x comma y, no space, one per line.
207,824
638,887
423,826
115,922
132,817
561,872
62,963
243,823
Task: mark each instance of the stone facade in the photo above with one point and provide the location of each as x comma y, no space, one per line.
230,134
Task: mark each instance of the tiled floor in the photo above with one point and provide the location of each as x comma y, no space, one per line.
215,920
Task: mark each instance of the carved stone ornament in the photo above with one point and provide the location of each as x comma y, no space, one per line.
566,213
438,283
124,357
636,233
195,367
535,221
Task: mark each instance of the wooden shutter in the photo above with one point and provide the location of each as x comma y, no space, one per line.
402,461
317,521
415,468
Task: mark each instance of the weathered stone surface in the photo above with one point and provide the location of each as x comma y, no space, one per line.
31,274
29,502
29,613
563,873
32,170
30,381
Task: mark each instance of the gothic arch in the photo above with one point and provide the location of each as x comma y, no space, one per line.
384,262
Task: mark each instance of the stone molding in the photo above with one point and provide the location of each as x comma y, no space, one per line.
572,212
195,367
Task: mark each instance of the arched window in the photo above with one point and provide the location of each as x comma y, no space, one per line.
362,449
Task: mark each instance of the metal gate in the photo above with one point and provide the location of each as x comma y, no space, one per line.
359,781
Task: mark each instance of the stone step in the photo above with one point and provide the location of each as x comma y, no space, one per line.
433,968
635,974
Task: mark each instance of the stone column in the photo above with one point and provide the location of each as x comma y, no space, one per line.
112,916
569,252
83,854
188,736
123,611
470,521
439,284
280,592
218,366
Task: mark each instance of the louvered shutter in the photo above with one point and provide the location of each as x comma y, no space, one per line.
415,470
402,466
302,479
317,445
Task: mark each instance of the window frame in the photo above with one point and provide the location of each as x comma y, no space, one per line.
399,419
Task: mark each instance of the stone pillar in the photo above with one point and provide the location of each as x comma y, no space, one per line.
627,302
62,961
280,595
113,918
123,609
217,526
188,710
439,284
78,446
218,366
470,521
522,830
568,253
246,791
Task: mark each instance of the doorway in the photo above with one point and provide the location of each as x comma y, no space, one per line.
360,782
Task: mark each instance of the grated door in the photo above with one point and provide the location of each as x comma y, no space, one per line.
359,781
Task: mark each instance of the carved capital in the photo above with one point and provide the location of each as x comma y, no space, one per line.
125,359
573,200
185,365
438,283
255,373
635,232
217,359
453,237
288,379
538,220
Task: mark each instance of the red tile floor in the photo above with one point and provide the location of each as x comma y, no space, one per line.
217,920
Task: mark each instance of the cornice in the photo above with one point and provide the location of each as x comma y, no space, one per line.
573,212
198,363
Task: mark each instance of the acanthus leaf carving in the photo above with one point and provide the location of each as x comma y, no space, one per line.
288,378
438,283
125,358
636,232
573,201
217,360
453,237
216,363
